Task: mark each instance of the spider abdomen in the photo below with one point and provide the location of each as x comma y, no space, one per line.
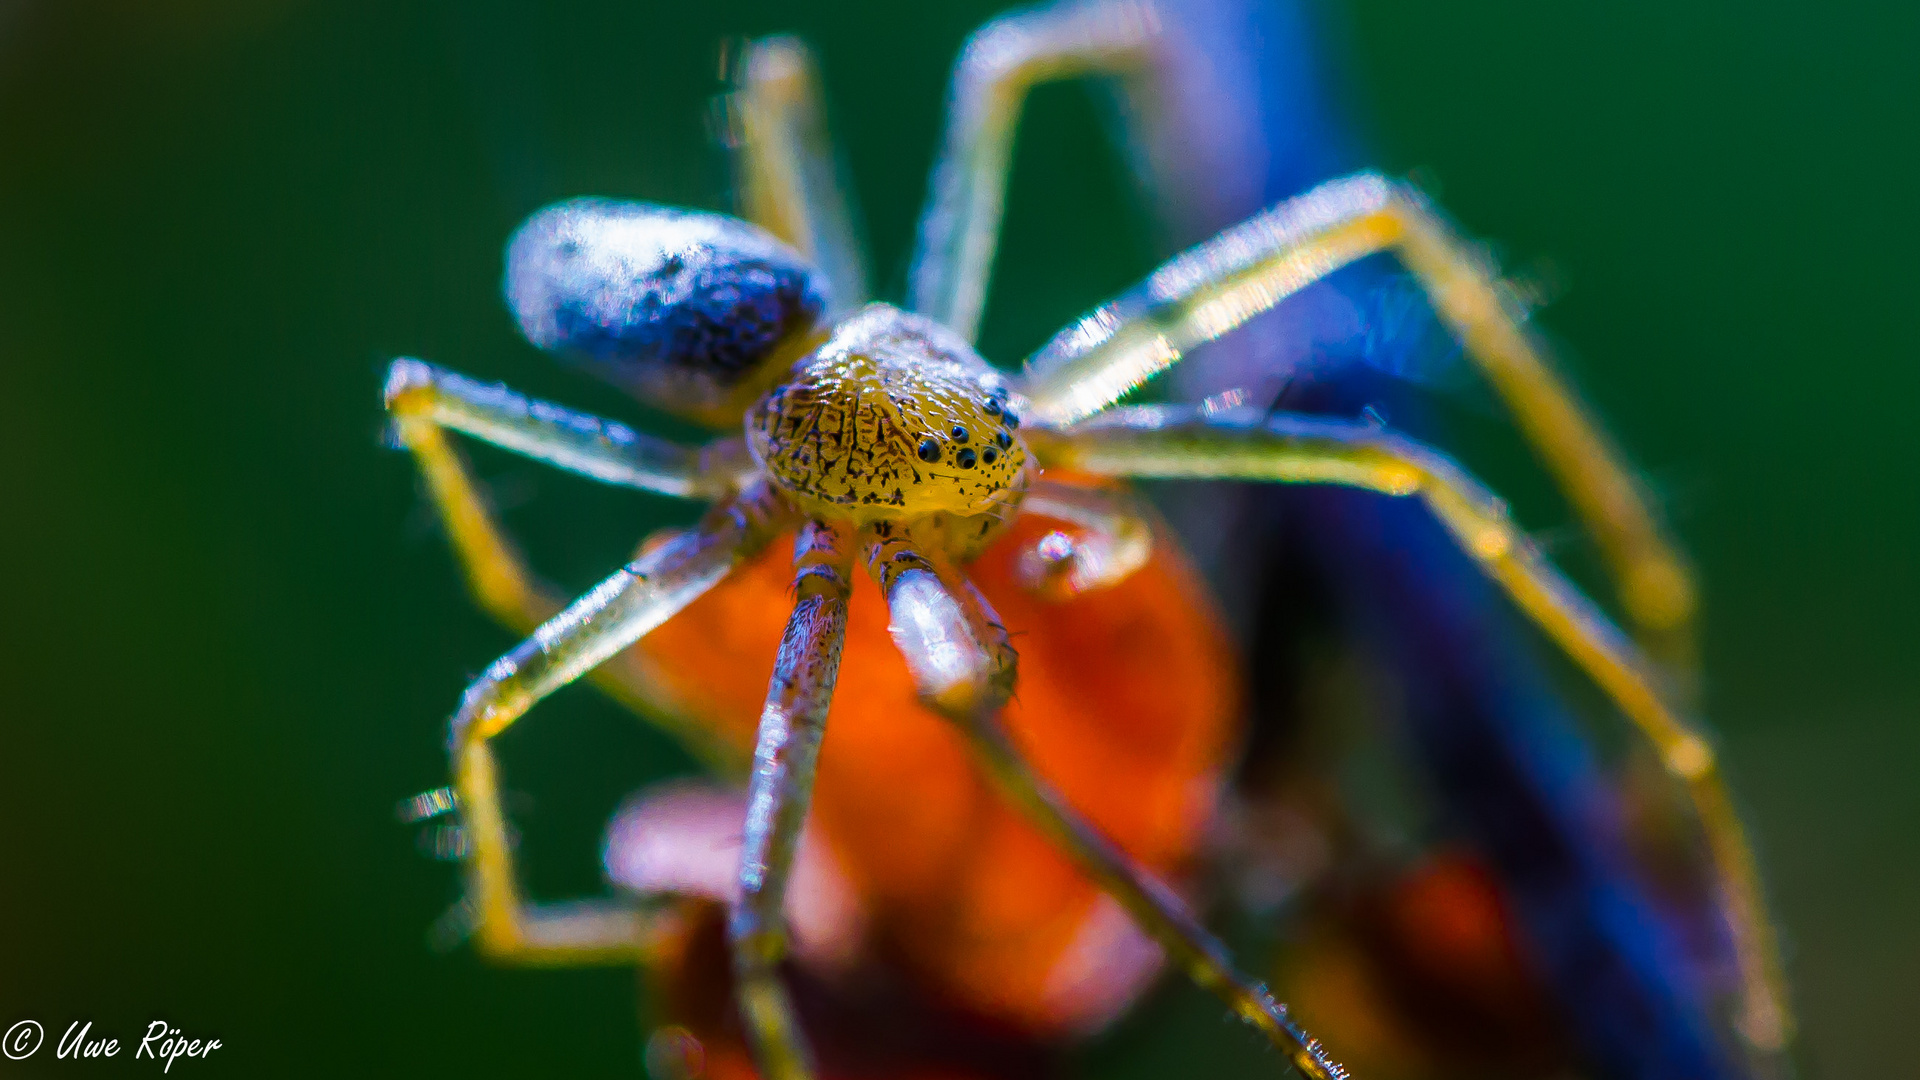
681,308
893,417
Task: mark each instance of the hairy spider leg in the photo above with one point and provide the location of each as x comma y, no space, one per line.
1163,442
426,402
613,615
540,935
576,442
964,667
790,181
1248,269
999,65
781,787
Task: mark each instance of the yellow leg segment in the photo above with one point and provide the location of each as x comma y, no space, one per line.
1211,289
999,65
789,179
544,935
595,628
496,572
1246,445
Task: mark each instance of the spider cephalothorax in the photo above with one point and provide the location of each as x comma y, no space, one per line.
893,418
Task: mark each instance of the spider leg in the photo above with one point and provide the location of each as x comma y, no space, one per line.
615,614
422,396
1248,269
789,179
542,935
999,64
427,402
781,787
960,659
964,667
1116,538
1155,441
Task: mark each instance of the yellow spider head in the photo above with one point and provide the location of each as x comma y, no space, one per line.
894,417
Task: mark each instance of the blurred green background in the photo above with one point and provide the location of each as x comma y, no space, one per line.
234,633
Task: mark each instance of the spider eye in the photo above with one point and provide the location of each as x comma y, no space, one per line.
674,305
929,450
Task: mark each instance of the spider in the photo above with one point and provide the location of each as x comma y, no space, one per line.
881,440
